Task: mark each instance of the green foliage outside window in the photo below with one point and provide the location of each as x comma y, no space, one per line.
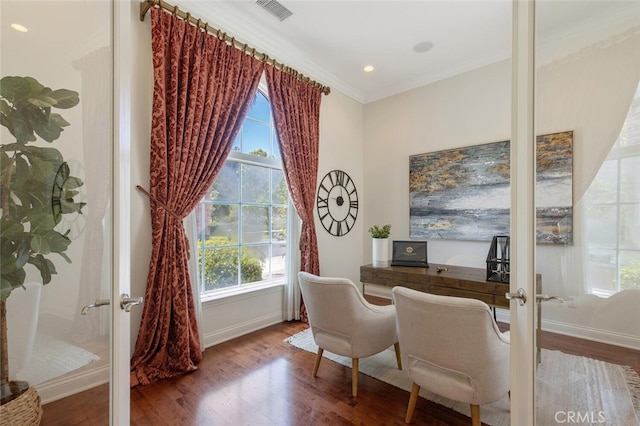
221,265
630,275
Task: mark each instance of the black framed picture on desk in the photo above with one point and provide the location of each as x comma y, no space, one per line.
409,253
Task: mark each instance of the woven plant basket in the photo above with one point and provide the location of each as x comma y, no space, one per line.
24,410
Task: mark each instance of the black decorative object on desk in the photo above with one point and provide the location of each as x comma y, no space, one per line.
498,259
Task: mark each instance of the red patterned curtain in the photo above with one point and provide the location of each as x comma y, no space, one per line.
203,89
296,112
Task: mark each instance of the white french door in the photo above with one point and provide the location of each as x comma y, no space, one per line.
522,216
575,68
121,325
77,333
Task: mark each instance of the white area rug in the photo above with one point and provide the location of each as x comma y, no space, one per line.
596,392
53,358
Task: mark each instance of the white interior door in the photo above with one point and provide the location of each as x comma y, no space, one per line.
121,328
77,334
522,217
579,77
587,83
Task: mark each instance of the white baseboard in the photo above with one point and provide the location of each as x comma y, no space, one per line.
582,332
602,336
72,384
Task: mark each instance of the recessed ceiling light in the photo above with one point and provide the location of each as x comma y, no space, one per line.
368,68
19,27
423,46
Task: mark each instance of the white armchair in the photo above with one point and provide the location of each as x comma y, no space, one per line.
452,347
343,322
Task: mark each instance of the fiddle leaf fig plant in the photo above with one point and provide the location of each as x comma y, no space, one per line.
36,186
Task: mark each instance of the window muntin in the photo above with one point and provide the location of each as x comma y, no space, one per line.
242,221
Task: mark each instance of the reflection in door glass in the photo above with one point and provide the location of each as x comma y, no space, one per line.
587,82
62,67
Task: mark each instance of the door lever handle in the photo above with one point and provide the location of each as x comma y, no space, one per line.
546,298
127,302
98,302
520,295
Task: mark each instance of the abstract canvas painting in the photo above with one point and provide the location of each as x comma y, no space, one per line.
464,194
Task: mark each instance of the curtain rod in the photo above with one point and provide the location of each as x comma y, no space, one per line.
148,4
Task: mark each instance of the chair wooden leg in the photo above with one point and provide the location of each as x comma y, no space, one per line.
354,376
475,415
317,364
398,357
415,390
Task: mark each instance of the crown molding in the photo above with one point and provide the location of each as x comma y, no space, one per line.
226,18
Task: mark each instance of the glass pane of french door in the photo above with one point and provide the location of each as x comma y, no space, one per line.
57,133
588,210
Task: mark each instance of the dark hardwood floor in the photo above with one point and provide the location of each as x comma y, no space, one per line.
258,379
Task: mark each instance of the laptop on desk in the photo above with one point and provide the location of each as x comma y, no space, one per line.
409,253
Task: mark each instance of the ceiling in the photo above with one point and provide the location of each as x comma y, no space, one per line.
331,41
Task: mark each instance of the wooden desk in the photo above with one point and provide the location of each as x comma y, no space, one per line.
458,281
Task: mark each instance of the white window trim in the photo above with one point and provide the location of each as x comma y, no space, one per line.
231,292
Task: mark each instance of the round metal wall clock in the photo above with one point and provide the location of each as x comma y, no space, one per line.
337,203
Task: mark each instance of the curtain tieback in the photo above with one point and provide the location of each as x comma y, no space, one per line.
163,205
171,212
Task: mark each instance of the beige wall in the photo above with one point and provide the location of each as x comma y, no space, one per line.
468,109
341,147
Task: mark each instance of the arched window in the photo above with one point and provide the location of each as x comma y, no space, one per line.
241,223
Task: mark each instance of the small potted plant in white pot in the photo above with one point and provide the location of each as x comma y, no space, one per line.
380,237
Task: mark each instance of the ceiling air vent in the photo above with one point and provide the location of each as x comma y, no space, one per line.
275,8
